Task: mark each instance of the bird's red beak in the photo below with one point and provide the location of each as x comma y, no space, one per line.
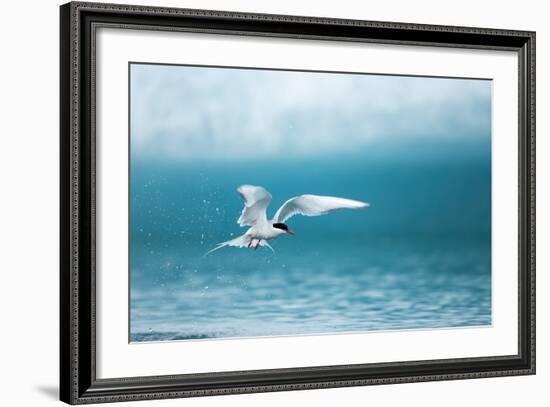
290,232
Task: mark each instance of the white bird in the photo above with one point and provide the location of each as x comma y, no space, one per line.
256,200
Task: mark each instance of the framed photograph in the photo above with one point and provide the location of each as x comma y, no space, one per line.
255,203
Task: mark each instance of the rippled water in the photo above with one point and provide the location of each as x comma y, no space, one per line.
246,293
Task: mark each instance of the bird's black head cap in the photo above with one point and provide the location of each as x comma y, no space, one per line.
281,226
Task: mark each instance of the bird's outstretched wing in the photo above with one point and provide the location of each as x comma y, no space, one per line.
256,200
314,205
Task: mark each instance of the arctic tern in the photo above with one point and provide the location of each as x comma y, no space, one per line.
256,200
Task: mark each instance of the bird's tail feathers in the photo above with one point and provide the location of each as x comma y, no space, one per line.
240,241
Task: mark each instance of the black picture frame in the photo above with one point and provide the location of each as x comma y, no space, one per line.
78,382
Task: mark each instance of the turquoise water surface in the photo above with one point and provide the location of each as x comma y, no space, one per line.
418,257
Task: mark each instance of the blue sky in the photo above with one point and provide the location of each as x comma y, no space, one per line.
189,114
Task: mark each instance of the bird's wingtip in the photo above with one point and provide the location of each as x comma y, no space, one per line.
360,204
